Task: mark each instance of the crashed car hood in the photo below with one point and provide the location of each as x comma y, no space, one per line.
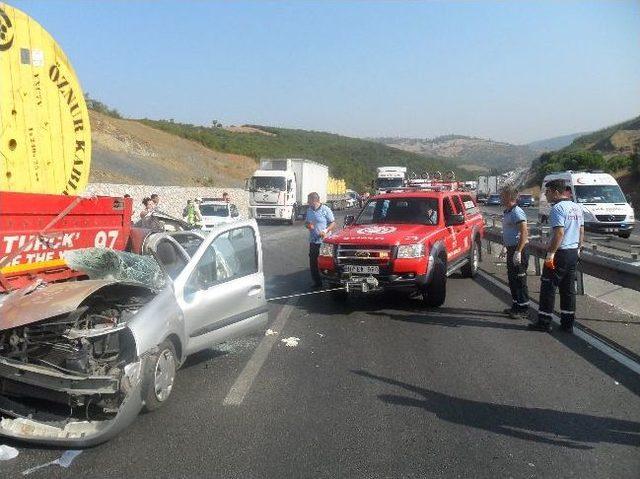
23,307
387,234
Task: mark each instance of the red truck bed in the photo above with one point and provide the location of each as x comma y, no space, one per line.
26,254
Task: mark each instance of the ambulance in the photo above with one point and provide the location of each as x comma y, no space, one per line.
605,207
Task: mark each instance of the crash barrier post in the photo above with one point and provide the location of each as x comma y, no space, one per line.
594,263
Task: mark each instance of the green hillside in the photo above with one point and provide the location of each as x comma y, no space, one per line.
353,159
613,149
614,138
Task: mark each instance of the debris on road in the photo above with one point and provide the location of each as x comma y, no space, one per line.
320,334
7,452
63,461
270,332
290,342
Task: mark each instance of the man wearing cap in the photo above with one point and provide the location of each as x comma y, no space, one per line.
562,256
319,221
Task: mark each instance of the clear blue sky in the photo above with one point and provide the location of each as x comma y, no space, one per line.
516,72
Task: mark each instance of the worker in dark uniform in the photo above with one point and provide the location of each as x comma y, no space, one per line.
562,256
515,236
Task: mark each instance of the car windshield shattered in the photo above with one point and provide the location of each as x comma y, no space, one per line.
102,263
422,211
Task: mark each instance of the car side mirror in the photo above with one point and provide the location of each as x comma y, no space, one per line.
455,219
349,220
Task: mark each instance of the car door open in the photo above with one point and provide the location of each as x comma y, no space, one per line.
221,293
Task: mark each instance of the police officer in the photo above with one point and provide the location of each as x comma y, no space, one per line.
562,256
515,236
319,221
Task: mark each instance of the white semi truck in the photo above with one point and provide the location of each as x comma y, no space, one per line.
389,177
278,189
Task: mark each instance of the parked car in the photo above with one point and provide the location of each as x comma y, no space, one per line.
79,360
526,200
214,213
493,200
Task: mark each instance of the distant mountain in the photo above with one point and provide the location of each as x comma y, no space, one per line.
556,143
472,153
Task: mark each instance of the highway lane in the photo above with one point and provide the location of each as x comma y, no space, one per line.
382,387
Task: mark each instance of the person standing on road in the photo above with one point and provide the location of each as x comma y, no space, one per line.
562,256
319,221
515,236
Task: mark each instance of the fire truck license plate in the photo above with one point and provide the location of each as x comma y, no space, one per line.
362,269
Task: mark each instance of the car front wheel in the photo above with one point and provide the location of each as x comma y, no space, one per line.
160,374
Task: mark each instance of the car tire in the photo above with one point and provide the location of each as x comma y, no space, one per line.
435,292
470,269
159,376
624,235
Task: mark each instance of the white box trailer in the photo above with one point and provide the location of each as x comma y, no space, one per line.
310,177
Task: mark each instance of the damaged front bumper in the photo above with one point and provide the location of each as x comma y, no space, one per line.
69,432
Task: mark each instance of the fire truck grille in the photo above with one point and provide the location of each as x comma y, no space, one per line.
364,255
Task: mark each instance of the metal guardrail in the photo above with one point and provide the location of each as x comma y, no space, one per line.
602,265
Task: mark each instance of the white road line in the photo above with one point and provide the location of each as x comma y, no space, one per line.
248,375
586,337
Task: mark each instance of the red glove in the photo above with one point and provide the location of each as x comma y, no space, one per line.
549,261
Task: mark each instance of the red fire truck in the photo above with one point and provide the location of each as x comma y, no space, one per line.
412,239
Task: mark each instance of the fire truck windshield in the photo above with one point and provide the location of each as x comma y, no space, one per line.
421,211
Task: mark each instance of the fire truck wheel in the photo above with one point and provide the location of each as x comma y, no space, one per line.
435,292
470,269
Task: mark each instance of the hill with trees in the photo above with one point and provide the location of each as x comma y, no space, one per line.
350,158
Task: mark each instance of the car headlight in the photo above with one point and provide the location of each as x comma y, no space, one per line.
326,249
411,250
631,218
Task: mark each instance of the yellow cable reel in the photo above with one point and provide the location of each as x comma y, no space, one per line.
45,137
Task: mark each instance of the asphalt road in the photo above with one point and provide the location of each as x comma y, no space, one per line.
381,387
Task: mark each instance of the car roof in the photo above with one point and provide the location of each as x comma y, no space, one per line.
218,203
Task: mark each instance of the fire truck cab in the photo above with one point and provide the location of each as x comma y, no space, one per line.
411,239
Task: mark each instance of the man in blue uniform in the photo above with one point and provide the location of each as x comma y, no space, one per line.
515,236
319,221
563,252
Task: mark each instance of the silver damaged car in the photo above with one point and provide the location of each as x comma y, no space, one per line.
79,360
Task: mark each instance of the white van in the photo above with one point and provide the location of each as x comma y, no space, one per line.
606,210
